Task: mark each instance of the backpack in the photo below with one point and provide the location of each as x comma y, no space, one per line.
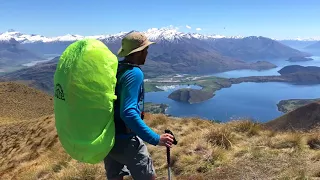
84,95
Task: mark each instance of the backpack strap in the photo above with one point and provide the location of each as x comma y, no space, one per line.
123,70
120,72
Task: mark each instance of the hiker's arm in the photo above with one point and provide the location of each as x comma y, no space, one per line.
129,110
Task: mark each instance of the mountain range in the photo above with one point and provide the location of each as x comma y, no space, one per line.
314,46
12,53
39,75
174,51
298,44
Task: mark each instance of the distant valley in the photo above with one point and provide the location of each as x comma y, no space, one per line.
39,76
314,46
12,55
298,44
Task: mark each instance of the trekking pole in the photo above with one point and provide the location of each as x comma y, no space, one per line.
168,162
168,153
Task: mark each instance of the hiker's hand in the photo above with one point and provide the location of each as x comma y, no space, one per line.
166,140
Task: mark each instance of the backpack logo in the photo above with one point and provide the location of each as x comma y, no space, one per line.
59,92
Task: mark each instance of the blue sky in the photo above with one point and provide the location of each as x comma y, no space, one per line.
271,18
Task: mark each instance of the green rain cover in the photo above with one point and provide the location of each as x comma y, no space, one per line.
85,80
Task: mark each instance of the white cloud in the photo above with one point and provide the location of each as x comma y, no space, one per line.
198,29
189,27
172,27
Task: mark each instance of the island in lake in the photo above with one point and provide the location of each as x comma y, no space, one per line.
294,74
191,96
299,59
289,105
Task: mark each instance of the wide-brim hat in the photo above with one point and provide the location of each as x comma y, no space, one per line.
133,42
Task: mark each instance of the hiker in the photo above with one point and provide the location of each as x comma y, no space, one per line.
130,155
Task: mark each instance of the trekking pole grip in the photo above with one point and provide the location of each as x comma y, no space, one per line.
175,142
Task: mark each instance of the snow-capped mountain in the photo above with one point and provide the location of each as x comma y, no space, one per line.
235,45
154,34
175,51
317,38
55,45
299,43
167,33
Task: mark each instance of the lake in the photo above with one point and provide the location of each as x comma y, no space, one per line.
47,57
279,62
256,101
246,100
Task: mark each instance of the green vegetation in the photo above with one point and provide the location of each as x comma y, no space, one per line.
212,84
208,83
151,87
155,108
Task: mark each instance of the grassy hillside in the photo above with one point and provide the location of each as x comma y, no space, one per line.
303,118
30,149
19,102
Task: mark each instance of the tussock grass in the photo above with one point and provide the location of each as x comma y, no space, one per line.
159,120
246,126
287,140
221,137
205,150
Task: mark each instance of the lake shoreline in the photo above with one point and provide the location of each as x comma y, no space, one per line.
249,100
210,85
228,110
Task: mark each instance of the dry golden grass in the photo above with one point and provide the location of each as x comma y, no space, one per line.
206,150
30,148
20,102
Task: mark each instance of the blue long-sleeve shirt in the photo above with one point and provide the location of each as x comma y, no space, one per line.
130,93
